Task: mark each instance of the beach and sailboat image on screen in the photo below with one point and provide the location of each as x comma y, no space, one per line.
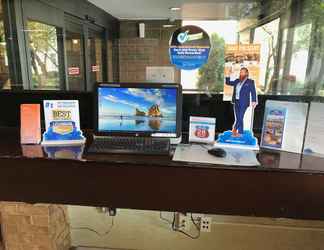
137,109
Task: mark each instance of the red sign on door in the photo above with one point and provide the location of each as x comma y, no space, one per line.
73,71
95,68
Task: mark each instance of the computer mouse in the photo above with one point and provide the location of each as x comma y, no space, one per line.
218,152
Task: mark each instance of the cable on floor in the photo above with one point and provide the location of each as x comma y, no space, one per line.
194,237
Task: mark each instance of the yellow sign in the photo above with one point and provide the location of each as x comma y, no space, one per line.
62,115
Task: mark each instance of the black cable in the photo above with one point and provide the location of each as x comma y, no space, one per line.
183,232
96,232
164,219
193,222
205,146
86,228
66,222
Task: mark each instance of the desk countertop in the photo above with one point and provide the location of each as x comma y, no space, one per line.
285,185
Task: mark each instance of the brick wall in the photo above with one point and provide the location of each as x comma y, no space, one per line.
135,53
34,227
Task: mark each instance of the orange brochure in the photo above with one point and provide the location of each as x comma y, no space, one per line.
30,124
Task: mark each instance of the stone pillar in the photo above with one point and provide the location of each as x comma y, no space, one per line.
34,227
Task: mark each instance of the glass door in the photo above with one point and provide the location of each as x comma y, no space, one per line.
95,52
44,55
74,49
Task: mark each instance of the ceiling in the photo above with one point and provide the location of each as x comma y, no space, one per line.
160,9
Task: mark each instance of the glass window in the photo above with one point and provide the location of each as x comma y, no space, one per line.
211,76
44,55
5,82
294,60
245,37
267,36
95,49
75,60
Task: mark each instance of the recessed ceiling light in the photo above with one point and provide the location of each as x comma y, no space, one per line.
175,8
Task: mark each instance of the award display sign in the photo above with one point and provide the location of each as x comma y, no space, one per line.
189,47
62,122
202,129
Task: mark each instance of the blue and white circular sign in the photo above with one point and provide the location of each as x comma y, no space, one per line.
189,47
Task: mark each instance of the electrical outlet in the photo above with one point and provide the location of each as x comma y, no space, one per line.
182,222
205,224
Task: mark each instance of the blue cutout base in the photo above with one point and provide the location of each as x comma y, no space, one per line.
50,135
246,139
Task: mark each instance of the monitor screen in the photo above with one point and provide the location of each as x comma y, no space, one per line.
133,109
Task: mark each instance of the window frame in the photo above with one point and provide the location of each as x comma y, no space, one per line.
12,45
89,28
278,49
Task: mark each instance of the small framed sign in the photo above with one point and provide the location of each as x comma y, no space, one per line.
202,129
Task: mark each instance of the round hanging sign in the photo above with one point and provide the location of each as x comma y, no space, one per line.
189,47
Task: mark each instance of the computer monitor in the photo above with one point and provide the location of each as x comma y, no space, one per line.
138,109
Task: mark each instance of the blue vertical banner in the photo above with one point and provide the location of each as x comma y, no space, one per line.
189,47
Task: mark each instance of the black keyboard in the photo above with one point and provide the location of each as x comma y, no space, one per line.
130,145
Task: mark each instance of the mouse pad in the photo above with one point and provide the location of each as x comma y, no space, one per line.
199,153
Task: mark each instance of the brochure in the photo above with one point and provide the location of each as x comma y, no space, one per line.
273,127
30,124
62,121
284,126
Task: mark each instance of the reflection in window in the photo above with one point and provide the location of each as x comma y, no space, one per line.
245,37
211,76
5,82
95,47
44,55
75,60
267,36
294,59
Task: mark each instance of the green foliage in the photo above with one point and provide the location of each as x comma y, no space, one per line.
211,75
43,52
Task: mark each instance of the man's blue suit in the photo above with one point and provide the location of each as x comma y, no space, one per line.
247,92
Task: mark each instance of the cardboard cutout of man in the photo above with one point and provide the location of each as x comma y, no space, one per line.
244,95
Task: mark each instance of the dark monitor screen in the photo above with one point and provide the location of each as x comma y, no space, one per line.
146,109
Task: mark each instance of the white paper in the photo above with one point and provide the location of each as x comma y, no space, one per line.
295,124
314,140
199,154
